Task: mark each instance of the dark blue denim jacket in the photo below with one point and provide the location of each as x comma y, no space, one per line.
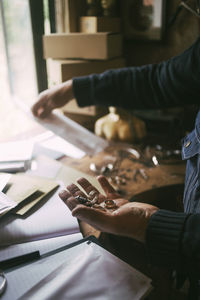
191,153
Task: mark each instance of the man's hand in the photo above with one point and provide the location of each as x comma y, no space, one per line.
53,98
128,219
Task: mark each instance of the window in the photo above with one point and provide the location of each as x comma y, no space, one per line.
23,70
19,45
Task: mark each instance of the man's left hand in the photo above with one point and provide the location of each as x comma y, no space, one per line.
127,218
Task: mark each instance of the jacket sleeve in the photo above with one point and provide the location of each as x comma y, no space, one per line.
171,83
173,240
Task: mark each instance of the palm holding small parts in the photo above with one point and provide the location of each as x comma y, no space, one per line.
121,218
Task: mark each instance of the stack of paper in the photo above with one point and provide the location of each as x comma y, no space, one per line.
85,271
26,191
4,178
14,156
52,219
6,204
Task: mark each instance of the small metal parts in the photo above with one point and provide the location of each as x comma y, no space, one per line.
155,160
110,204
84,201
81,200
92,194
92,199
118,180
98,207
142,173
93,168
133,152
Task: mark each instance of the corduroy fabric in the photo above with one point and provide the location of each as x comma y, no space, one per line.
163,238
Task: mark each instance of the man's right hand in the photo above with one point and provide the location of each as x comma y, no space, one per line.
53,98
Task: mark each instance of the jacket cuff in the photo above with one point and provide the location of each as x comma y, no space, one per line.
82,90
164,237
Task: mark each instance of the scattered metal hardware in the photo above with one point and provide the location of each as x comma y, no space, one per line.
140,172
95,200
93,167
162,155
124,176
110,166
110,204
135,173
133,152
159,147
98,206
88,203
84,201
143,174
150,156
104,170
107,169
81,200
92,193
118,180
154,160
177,152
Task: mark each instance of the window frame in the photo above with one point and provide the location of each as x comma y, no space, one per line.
36,9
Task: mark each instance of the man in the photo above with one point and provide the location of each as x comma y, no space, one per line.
172,239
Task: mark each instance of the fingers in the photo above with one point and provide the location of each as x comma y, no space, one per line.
68,199
107,187
93,195
87,186
90,190
69,196
95,217
43,107
75,191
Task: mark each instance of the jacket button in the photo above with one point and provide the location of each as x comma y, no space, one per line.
187,144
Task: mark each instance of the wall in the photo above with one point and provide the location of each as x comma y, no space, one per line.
177,38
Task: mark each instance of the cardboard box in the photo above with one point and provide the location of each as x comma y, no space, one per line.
99,24
102,45
62,70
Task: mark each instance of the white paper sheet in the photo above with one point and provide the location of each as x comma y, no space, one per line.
16,151
54,146
4,178
43,246
69,130
52,219
5,203
62,146
85,272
